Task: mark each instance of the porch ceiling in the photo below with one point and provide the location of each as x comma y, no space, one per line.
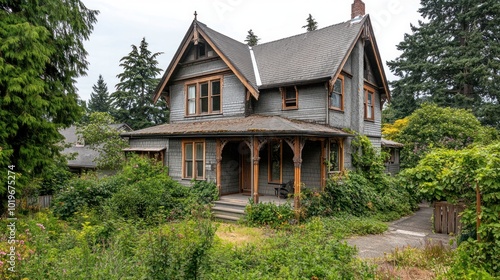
255,125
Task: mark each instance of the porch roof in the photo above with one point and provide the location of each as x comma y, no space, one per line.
257,125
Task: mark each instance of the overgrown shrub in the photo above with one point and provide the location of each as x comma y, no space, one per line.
269,214
204,191
176,251
79,193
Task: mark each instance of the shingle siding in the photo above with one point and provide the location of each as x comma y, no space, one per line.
199,68
312,104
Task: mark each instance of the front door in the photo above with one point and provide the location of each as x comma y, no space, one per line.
246,170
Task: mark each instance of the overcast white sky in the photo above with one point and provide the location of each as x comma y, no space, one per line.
122,23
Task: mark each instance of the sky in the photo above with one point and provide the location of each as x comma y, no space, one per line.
123,23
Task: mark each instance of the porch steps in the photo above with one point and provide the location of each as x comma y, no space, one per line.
229,209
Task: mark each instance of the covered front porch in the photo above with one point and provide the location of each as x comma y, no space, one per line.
259,167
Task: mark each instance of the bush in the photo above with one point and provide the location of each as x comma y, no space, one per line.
269,214
79,193
205,192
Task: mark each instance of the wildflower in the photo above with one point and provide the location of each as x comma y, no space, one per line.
3,253
1,263
21,242
41,226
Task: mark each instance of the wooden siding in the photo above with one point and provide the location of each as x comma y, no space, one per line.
312,104
195,69
233,101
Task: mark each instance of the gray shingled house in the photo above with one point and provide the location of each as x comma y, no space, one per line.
254,118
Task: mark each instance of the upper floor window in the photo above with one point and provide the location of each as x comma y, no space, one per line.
337,94
201,50
193,160
290,96
204,97
369,103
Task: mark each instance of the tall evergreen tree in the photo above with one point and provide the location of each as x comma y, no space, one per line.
311,25
451,59
100,100
133,97
41,55
252,39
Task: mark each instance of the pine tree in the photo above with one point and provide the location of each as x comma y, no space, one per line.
252,39
99,99
133,97
41,55
311,25
451,59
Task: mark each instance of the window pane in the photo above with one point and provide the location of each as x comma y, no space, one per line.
204,90
199,169
215,87
199,151
335,100
191,107
290,93
204,105
189,169
337,87
215,103
191,92
334,156
188,151
370,98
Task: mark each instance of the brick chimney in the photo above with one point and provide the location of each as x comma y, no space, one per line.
357,9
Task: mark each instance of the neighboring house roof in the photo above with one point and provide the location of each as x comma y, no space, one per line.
84,156
252,125
390,144
317,55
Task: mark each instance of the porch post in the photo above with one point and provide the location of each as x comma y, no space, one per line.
297,161
256,160
218,171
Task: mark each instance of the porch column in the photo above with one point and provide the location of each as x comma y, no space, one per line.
218,171
297,161
255,172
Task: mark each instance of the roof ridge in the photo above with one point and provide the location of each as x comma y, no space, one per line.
314,31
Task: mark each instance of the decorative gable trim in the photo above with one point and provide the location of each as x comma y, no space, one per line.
192,35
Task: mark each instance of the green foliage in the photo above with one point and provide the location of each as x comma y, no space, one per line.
100,101
204,191
432,127
453,175
148,192
252,39
311,25
100,135
132,99
177,251
450,59
366,159
83,192
41,55
269,214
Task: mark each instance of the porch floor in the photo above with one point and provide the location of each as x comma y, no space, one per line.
241,198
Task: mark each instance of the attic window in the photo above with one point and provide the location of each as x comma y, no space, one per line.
290,96
369,103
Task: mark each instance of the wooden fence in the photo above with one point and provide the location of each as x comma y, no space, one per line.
447,217
39,202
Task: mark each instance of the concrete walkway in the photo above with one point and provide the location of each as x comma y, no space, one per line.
412,231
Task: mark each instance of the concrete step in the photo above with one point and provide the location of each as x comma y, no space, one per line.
226,218
230,210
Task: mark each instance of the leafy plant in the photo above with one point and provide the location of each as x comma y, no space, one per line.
205,192
268,214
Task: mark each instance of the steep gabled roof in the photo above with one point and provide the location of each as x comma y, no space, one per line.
235,54
309,56
317,55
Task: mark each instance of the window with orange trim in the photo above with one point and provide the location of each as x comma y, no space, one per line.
193,160
337,94
369,103
203,97
290,96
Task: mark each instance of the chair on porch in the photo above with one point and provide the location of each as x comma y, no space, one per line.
285,189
